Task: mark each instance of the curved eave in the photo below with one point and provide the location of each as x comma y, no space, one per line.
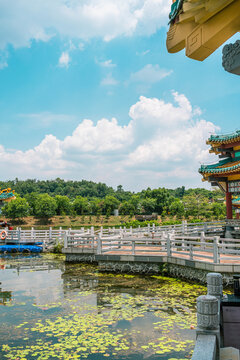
219,171
228,140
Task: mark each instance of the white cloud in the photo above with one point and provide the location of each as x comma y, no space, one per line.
106,64
64,59
150,74
162,145
105,136
109,80
25,20
3,59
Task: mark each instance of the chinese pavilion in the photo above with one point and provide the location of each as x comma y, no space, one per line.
6,195
226,173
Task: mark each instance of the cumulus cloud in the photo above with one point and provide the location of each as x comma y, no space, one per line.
25,20
150,74
64,59
162,144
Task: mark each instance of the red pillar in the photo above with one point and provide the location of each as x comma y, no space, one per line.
229,205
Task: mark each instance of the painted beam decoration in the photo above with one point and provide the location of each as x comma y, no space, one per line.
201,26
7,195
225,173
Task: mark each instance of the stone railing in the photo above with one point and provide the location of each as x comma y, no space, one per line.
208,339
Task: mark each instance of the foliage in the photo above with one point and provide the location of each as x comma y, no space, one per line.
16,209
57,249
89,198
176,208
45,206
81,205
110,204
127,208
63,205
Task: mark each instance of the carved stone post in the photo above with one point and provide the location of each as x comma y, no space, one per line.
208,317
214,285
215,288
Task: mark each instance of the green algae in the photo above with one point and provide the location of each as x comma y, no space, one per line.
82,329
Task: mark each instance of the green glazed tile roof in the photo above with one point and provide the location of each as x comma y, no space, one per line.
223,138
5,195
219,167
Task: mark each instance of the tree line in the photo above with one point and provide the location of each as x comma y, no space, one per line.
46,199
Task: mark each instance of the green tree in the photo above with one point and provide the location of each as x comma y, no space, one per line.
127,208
32,201
176,208
110,203
218,210
95,206
63,205
16,209
46,206
148,205
197,206
81,205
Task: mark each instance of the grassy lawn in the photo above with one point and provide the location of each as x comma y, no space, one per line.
74,222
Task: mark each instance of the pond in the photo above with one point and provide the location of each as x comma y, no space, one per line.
50,309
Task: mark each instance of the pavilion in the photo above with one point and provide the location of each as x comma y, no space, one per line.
226,173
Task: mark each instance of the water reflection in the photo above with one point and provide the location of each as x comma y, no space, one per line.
59,311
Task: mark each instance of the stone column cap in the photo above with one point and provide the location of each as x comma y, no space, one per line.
214,274
207,298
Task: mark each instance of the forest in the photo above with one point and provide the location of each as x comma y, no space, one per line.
48,198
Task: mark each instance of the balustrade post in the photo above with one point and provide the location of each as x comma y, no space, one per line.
50,234
92,230
208,318
215,250
148,230
205,227
191,252
19,235
215,288
169,252
99,245
133,247
202,239
65,240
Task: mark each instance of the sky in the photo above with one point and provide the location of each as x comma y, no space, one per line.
89,91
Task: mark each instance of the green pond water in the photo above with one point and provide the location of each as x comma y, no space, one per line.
53,310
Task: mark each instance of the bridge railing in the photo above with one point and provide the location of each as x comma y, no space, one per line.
192,248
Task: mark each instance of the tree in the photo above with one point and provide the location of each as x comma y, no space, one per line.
163,198
176,208
32,201
148,205
46,206
95,206
81,205
110,203
63,205
16,209
218,210
127,208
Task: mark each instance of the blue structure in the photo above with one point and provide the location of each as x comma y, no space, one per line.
20,249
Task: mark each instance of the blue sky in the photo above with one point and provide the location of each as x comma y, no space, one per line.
88,91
